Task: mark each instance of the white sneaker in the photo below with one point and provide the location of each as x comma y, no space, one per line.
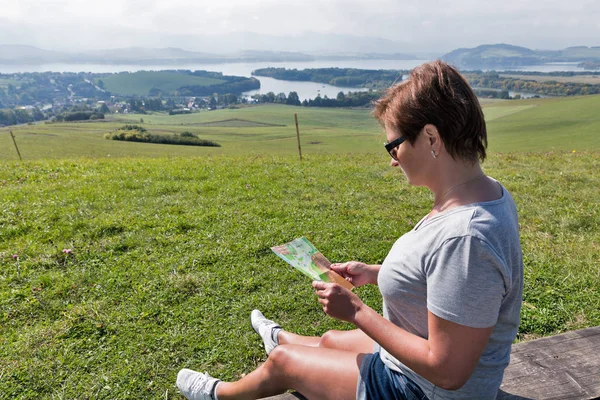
267,330
196,385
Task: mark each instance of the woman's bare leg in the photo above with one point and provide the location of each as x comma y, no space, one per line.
315,372
355,340
272,335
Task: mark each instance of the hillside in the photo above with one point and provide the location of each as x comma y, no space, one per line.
509,56
28,55
117,273
142,82
539,125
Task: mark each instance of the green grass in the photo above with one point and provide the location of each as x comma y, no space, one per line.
140,83
552,124
170,255
499,110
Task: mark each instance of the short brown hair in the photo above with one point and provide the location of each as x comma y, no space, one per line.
436,94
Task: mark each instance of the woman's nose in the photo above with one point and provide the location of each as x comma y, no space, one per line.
394,163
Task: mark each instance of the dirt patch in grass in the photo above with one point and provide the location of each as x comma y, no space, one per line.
236,123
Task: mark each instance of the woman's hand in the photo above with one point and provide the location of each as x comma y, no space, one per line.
357,273
337,302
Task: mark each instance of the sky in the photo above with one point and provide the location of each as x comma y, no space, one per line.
426,26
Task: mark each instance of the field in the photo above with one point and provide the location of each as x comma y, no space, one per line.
140,83
586,79
5,82
116,271
552,124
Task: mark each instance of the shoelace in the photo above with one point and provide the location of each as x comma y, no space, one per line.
264,324
200,383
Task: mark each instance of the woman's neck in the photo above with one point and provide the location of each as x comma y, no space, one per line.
457,184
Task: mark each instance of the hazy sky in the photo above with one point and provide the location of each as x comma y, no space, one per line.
425,25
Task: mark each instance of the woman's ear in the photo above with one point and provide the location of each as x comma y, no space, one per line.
433,140
432,135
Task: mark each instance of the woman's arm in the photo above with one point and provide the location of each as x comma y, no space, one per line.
447,358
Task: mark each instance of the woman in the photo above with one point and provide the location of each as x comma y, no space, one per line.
451,286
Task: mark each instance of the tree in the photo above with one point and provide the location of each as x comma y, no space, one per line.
228,98
104,109
281,98
22,116
7,117
37,114
293,99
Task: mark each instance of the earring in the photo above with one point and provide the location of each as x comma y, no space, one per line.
433,154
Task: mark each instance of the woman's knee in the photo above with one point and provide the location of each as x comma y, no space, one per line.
281,357
330,339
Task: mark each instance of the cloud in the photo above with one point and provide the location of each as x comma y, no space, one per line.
434,25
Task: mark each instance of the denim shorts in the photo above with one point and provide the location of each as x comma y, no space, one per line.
376,381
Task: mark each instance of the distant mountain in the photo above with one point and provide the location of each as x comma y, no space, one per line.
508,56
18,54
27,54
317,44
141,53
232,47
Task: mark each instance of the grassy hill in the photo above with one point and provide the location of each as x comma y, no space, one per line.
121,263
140,83
169,255
533,125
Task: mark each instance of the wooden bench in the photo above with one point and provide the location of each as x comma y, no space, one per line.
565,366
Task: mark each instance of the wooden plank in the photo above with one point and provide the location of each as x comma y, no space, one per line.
565,366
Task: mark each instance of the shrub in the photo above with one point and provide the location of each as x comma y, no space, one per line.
134,133
133,128
81,116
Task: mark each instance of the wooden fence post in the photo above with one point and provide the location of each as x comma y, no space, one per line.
16,147
298,135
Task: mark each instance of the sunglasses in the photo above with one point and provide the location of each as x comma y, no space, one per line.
391,146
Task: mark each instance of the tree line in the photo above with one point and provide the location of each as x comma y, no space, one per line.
347,77
493,80
350,99
487,84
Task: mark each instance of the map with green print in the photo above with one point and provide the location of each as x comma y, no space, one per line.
304,256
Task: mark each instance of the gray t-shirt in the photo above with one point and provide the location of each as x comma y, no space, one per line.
464,265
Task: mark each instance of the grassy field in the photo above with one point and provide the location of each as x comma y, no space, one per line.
170,245
169,256
553,124
590,79
140,83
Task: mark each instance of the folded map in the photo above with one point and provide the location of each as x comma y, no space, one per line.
304,256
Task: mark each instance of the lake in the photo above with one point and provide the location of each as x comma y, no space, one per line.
305,90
